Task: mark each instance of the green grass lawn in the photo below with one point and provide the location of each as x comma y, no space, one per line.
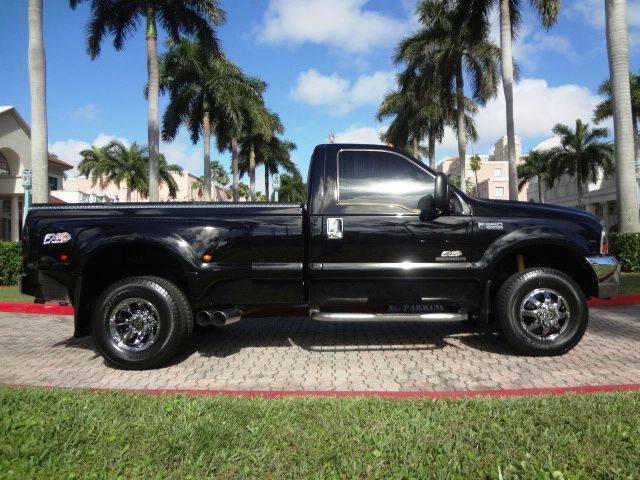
80,434
11,294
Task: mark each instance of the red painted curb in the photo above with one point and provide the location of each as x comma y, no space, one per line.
50,309
617,301
35,308
506,392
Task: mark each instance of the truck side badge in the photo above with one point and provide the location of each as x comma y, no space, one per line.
334,228
491,225
55,238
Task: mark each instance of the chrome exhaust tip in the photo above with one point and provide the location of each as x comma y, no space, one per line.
218,318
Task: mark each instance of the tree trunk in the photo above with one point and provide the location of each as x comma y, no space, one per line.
234,167
540,193
462,133
477,189
206,140
580,191
506,62
415,146
618,50
252,172
37,82
128,196
266,182
153,132
432,150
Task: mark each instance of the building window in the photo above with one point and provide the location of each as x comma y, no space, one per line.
499,191
497,172
53,183
4,166
381,178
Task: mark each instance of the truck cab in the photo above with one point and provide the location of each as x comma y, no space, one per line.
381,237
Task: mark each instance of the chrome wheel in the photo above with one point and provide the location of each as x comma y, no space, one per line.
133,325
544,314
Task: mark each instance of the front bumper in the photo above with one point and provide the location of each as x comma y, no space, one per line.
607,270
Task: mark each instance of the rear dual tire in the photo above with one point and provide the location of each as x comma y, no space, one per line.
542,311
141,322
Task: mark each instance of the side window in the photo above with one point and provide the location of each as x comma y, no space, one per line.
381,178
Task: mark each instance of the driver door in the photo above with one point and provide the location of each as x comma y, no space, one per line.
376,250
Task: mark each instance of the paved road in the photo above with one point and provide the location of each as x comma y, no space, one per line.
297,354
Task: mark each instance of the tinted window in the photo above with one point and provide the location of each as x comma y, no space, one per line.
370,177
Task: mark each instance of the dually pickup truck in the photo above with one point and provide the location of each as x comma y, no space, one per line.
381,237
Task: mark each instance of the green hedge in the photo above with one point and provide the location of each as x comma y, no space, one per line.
10,262
626,248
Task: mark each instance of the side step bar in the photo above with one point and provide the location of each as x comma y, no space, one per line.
387,317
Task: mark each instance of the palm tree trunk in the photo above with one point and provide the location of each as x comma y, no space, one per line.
580,191
252,172
477,191
432,150
153,132
234,167
540,194
506,62
266,182
206,140
37,82
415,146
618,50
462,133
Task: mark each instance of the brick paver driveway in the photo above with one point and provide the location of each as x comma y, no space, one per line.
298,354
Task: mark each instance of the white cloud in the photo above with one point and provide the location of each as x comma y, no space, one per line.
339,94
538,106
592,13
344,24
87,112
184,153
358,133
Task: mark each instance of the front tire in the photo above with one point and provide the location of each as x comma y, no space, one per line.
542,311
141,322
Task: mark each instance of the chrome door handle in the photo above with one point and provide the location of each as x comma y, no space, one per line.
334,228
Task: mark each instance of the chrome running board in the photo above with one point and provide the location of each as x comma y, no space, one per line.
387,317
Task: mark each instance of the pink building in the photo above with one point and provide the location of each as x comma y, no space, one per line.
87,190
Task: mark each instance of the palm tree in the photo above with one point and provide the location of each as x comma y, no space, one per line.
260,126
606,110
582,154
117,163
618,51
243,190
37,83
273,155
218,173
203,88
475,164
452,48
477,13
292,188
121,18
536,165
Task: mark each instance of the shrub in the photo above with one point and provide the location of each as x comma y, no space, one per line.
626,248
10,262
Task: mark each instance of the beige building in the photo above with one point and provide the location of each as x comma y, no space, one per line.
88,190
15,156
493,176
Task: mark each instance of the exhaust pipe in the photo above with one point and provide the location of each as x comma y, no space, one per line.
218,318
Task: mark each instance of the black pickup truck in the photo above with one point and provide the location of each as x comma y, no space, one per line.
381,237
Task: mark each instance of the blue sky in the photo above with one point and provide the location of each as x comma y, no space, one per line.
327,63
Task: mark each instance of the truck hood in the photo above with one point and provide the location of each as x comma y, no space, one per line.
529,209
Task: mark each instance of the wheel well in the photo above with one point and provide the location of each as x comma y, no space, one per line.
550,256
115,262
